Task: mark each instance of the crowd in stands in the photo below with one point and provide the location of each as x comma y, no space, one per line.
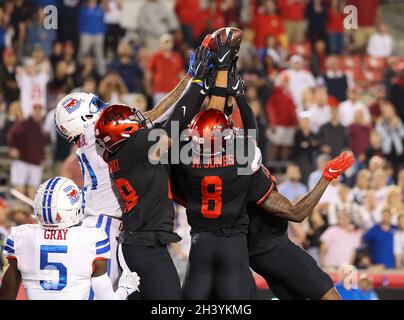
316,87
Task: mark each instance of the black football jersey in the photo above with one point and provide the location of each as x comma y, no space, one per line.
144,191
216,193
264,229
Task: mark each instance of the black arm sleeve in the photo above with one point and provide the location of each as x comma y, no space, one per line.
186,107
247,116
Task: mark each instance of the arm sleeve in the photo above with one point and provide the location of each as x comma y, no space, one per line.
261,186
186,107
247,116
8,250
103,290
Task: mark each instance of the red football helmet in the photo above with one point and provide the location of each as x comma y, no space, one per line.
210,125
116,123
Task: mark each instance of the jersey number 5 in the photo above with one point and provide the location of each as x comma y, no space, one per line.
211,189
45,264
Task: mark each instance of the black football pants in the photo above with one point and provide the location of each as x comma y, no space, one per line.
220,265
158,277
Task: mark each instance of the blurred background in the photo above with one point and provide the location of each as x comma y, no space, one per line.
316,86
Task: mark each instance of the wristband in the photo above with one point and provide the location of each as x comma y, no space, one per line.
220,92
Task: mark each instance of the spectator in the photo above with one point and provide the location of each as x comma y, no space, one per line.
316,175
87,70
318,58
32,83
333,136
292,188
8,119
281,112
299,79
65,73
397,91
317,226
348,108
379,240
8,83
268,23
379,185
339,242
335,27
305,147
343,203
112,88
292,12
27,149
375,148
369,210
393,202
362,185
317,16
335,78
69,24
155,20
165,69
400,183
126,66
399,242
188,14
380,43
92,32
391,131
375,107
41,60
20,216
112,19
369,13
230,12
359,135
366,291
38,34
320,111
210,20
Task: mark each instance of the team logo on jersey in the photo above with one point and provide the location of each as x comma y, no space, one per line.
72,105
58,218
72,194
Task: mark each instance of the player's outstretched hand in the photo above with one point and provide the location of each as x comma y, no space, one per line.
338,166
226,52
235,85
201,64
129,281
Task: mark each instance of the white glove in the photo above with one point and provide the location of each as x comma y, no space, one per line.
129,281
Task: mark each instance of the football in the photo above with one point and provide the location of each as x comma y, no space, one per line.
237,36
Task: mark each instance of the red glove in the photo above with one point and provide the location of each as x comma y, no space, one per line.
338,166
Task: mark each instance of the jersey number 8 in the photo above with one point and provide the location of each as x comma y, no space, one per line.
211,190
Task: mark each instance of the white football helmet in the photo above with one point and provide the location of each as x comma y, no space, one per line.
75,112
58,204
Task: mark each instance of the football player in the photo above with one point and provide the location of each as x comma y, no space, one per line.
59,258
142,182
290,271
75,117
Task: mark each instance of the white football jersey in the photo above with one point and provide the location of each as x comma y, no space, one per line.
56,264
99,194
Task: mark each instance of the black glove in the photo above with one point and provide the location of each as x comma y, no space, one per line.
209,81
201,63
225,53
235,86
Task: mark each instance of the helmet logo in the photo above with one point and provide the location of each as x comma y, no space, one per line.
72,105
58,218
72,194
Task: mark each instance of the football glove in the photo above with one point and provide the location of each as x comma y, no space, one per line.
129,281
338,166
235,85
201,64
225,53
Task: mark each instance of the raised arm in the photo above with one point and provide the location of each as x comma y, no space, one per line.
162,109
224,57
278,205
